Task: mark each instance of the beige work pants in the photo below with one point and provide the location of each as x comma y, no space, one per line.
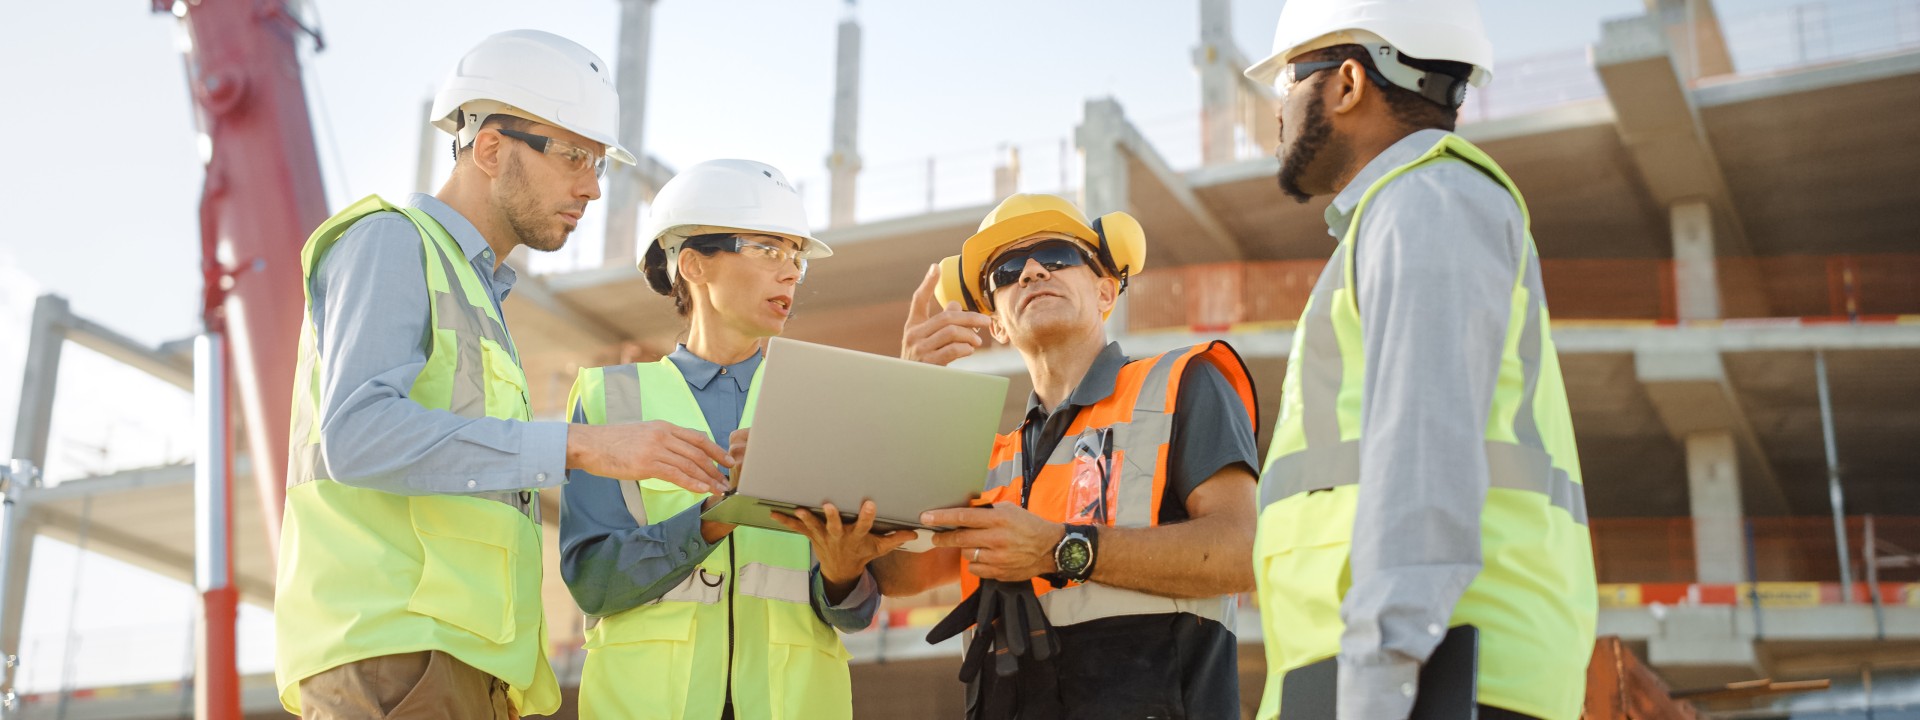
428,685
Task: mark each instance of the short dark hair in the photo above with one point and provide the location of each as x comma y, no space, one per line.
1408,107
499,120
653,264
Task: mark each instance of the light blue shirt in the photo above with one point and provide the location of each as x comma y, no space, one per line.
370,312
1435,259
612,563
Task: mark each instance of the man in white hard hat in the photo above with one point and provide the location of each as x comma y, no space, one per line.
410,557
1422,491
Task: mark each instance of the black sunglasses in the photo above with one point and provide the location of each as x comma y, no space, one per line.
1054,255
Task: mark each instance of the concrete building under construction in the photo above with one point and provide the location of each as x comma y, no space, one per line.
1730,239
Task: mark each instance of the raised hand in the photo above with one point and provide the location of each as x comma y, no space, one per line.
939,336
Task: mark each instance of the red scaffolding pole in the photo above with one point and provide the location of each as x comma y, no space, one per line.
262,195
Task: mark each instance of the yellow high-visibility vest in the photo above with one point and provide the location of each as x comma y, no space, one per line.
364,573
1534,600
669,659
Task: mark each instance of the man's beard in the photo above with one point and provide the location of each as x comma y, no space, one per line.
1314,137
524,216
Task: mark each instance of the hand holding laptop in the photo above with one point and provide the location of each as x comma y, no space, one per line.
843,549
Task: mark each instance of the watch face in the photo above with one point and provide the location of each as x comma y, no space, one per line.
1074,555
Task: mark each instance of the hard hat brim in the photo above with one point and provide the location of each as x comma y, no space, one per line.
983,245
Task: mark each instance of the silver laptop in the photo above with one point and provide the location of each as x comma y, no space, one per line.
843,426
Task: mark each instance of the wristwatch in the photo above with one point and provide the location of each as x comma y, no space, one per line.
1073,558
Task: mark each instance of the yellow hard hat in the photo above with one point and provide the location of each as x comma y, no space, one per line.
1115,240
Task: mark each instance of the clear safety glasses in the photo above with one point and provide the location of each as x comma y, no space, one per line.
577,159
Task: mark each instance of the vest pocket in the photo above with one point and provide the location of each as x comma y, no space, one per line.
807,668
468,550
1301,564
506,383
656,622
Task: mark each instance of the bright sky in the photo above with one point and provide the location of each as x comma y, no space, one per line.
103,177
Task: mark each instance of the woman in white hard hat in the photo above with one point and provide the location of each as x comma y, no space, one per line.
691,618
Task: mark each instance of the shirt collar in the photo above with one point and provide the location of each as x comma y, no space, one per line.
466,236
1095,386
700,371
1339,213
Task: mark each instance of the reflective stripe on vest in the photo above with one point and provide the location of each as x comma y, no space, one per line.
1138,420
1534,600
364,573
669,658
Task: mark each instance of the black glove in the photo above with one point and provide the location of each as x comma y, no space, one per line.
1008,625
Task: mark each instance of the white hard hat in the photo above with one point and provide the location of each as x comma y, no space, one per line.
1423,29
728,196
536,75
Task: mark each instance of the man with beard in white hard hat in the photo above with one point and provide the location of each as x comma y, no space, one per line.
1422,491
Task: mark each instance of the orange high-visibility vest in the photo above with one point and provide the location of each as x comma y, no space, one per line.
1126,436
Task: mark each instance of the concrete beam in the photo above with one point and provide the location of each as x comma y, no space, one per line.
1693,31
1123,171
1660,125
1692,395
39,505
1576,340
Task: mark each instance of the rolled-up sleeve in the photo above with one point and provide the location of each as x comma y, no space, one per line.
1437,254
611,562
371,316
855,611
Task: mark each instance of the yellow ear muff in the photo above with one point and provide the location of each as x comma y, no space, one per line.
1123,244
953,286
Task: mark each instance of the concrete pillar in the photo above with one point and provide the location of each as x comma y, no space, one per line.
17,531
1713,492
432,143
45,338
1696,282
626,185
843,166
1103,185
1006,175
1219,82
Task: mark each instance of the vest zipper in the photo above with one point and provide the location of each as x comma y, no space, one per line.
733,584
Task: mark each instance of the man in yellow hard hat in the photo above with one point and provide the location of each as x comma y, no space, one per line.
1422,496
1101,563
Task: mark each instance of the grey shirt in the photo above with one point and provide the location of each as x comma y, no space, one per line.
1436,258
370,312
612,563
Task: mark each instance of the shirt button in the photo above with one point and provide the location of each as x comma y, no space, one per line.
723,371
1406,689
470,484
1434,630
540,477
